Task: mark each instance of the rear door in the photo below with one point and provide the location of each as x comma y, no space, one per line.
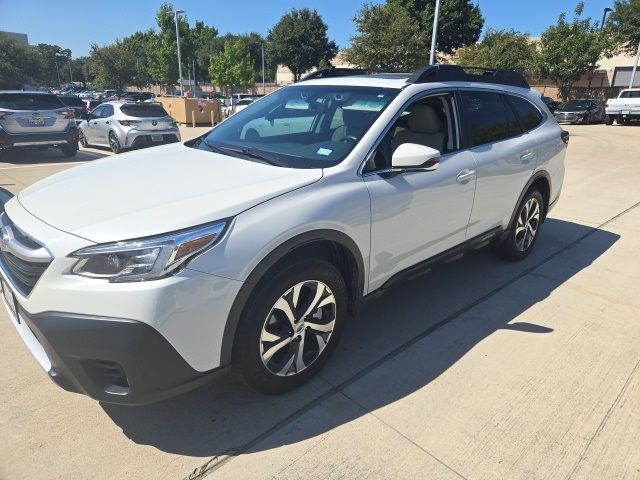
505,156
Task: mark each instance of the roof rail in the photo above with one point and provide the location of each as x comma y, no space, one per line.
457,73
336,72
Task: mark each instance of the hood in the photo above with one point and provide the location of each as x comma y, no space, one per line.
154,191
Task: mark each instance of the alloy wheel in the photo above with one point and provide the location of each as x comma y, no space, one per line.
113,143
298,328
528,223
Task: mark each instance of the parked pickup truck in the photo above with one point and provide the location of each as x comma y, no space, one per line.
625,108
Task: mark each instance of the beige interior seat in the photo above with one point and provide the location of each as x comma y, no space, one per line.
425,128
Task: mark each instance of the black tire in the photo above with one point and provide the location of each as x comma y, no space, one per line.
262,315
114,143
82,139
69,149
608,119
512,246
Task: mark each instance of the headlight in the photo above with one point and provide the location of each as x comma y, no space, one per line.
145,259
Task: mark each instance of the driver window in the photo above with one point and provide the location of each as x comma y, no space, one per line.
429,121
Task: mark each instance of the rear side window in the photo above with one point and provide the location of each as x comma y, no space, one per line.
488,116
630,94
26,101
529,116
144,111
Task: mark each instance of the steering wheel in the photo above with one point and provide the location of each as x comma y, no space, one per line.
349,138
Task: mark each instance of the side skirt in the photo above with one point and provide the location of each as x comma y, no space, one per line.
447,256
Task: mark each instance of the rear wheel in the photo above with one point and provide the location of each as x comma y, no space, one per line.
608,119
525,229
292,326
69,149
114,143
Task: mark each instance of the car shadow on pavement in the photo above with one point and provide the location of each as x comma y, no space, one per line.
227,417
34,156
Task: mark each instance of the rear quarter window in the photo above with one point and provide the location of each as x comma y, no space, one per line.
144,111
528,115
26,101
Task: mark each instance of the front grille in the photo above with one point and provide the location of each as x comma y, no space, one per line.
22,259
24,274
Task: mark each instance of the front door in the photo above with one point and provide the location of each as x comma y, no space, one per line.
416,215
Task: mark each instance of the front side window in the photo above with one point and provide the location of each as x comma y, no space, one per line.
488,117
429,121
306,126
528,115
107,111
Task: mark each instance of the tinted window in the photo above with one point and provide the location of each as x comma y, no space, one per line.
107,111
144,110
630,94
97,113
488,117
29,101
72,101
529,116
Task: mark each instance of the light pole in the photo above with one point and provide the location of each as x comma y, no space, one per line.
175,17
604,16
635,67
434,34
262,50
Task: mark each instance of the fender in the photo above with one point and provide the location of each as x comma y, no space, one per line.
534,177
268,262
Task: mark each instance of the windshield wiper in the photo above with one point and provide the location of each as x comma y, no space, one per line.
244,152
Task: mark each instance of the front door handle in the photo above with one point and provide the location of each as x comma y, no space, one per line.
525,157
465,175
107,122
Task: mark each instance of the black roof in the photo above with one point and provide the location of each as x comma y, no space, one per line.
436,73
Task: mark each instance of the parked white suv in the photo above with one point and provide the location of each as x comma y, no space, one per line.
136,277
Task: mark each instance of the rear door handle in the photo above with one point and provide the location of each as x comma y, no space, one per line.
525,157
465,175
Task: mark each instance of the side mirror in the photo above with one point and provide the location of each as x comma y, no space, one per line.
415,157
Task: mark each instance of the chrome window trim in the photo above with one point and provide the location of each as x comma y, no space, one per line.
422,94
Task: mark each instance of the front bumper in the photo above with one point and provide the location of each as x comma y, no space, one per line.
109,359
569,117
144,138
10,140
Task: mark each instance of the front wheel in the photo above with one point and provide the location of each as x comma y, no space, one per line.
292,326
82,139
608,119
524,230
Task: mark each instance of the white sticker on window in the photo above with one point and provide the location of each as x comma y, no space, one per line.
324,151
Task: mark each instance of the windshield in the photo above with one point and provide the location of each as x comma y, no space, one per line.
311,126
72,101
577,105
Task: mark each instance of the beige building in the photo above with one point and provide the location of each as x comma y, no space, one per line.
285,77
19,38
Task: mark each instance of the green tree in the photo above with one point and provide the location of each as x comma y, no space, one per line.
501,49
299,41
54,61
232,68
80,71
19,65
460,22
572,49
624,22
112,65
388,38
140,44
203,40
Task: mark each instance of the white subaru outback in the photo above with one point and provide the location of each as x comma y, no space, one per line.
139,276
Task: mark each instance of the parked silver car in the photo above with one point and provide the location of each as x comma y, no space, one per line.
36,119
121,125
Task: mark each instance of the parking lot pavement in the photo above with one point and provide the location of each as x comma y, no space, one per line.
482,369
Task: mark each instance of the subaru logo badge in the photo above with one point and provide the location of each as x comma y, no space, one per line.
154,123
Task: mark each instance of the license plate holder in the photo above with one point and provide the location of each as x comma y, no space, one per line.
36,122
156,138
10,299
626,112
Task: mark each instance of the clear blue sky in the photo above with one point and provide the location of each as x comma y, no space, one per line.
76,24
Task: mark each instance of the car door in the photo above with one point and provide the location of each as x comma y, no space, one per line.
416,215
91,127
104,124
504,155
